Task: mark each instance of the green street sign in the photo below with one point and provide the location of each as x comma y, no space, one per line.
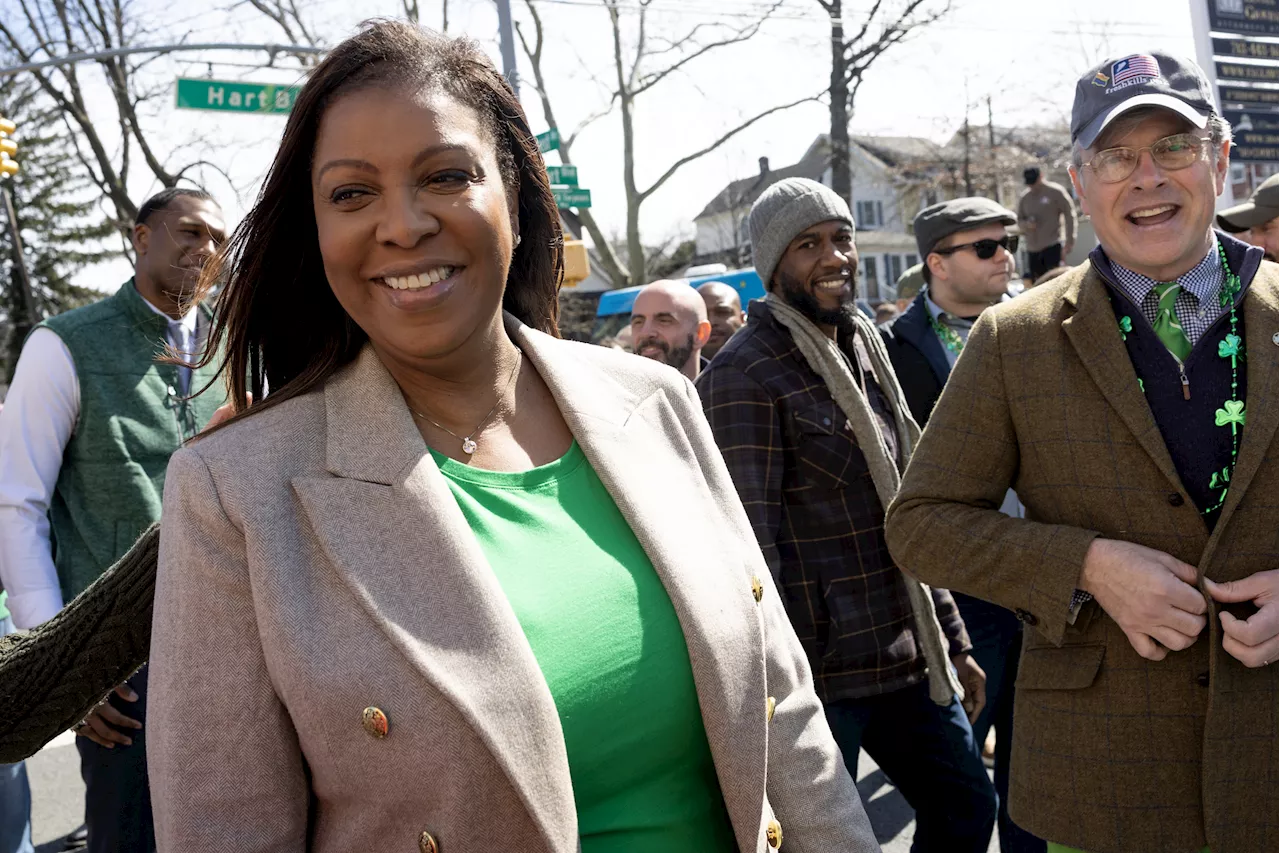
571,197
226,96
565,175
549,141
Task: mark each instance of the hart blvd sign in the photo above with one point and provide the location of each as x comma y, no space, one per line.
226,96
571,197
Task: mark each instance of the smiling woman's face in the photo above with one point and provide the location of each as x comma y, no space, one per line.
414,221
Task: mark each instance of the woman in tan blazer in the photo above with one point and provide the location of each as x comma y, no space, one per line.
455,584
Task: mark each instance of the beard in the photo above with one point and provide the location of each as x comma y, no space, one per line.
795,295
677,357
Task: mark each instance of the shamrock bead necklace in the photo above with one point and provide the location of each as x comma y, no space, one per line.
950,337
1231,413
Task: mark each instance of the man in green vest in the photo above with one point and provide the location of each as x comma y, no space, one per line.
85,436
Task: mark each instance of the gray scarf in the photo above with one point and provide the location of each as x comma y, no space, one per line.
827,360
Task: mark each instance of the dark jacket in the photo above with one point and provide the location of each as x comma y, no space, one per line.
808,491
918,358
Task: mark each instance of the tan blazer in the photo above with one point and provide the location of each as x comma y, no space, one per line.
1112,753
313,564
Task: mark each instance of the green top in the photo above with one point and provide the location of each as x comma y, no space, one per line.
606,637
4,611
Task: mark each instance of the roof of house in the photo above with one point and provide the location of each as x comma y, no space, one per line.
743,192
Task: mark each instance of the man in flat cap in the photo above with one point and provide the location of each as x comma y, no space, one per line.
814,430
1132,404
1256,221
968,266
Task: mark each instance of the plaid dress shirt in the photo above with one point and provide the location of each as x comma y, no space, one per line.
808,492
1196,304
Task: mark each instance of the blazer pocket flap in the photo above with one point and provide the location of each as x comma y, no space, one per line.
1059,667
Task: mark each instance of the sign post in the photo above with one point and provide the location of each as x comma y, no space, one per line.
228,96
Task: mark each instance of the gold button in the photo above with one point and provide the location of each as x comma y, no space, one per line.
773,834
757,589
427,844
375,722
770,705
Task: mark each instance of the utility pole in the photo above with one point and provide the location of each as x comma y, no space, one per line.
507,37
20,271
991,143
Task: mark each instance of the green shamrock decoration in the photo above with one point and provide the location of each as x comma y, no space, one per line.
1229,347
1221,478
1126,326
1232,413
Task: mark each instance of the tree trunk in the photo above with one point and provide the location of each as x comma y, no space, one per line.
635,249
841,177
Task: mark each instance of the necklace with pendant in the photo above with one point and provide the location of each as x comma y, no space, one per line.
469,441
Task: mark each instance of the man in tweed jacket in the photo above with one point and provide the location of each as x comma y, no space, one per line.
808,490
1132,405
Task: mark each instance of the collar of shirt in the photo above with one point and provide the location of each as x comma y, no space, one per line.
185,327
1203,281
946,319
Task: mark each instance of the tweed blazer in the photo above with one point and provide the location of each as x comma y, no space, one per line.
313,564
1112,753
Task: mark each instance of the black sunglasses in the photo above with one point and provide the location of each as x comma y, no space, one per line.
985,249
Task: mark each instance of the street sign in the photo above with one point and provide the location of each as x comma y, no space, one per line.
549,141
565,175
1246,17
1232,71
227,96
1246,49
571,197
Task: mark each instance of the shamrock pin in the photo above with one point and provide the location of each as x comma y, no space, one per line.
1232,412
1220,478
1126,326
1229,347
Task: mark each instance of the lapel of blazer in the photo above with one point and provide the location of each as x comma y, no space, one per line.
391,528
1093,332
1261,412
639,450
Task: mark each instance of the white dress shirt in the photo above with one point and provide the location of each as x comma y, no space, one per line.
39,416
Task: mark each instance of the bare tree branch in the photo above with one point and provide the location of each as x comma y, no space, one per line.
651,80
684,161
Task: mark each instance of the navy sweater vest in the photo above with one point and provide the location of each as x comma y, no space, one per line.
1199,448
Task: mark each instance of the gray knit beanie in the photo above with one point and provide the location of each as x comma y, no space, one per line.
783,211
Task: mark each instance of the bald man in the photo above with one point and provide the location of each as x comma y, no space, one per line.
669,324
724,312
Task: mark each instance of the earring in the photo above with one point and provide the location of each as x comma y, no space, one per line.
517,241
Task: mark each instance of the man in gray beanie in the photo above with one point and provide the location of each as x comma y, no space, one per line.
814,429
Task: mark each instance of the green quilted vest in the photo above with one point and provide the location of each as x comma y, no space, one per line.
131,420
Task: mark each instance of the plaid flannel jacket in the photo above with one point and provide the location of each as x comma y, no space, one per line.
807,489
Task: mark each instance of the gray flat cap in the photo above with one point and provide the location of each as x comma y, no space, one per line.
960,214
783,211
1262,207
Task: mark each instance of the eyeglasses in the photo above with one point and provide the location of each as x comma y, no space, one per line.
984,249
1171,154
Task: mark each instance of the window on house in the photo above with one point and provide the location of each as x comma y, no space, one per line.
870,263
912,260
895,266
870,214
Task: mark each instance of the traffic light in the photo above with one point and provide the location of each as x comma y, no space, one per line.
576,265
8,148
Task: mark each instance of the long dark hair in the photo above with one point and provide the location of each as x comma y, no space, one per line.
277,324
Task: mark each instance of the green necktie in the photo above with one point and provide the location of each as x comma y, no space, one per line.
1167,327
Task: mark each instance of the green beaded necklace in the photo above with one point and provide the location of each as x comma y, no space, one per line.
1232,346
950,337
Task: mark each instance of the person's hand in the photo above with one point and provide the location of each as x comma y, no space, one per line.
101,724
1251,641
224,412
1148,593
974,682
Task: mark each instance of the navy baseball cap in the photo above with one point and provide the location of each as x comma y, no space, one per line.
1154,79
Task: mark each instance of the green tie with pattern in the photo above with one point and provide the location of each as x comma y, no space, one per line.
1167,327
